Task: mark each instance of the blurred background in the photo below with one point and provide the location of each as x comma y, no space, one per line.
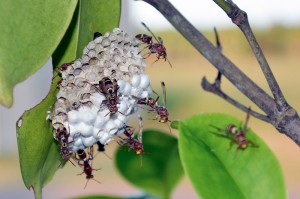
277,27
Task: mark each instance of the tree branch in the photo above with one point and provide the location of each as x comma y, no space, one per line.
240,18
214,56
215,89
281,115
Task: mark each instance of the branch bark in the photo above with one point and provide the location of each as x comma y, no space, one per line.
279,113
240,18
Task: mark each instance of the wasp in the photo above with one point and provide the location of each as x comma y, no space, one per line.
60,69
162,114
109,88
85,160
62,136
237,135
129,140
154,48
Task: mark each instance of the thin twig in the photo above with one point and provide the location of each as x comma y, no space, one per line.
287,122
210,52
240,18
215,89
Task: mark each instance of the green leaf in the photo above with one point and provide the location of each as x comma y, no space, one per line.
218,171
38,153
30,32
161,168
90,16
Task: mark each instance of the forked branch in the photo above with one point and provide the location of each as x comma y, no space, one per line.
240,18
278,112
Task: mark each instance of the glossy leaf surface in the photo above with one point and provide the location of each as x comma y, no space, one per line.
161,168
218,171
30,32
38,152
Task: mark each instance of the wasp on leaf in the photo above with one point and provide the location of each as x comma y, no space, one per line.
237,135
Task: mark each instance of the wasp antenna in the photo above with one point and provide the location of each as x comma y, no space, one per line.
160,40
150,31
154,92
219,129
97,89
169,62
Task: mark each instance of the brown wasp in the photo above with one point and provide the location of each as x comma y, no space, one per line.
109,88
162,114
161,111
60,69
85,160
155,48
237,135
64,67
62,136
134,144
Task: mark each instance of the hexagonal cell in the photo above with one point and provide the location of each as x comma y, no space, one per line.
83,108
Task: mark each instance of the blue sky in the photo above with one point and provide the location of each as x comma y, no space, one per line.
206,14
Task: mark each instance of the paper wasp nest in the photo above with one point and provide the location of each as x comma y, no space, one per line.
79,107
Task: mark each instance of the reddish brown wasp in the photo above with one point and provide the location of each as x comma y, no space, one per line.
109,88
155,48
149,101
60,69
238,135
85,160
161,111
134,144
62,136
162,114
64,67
